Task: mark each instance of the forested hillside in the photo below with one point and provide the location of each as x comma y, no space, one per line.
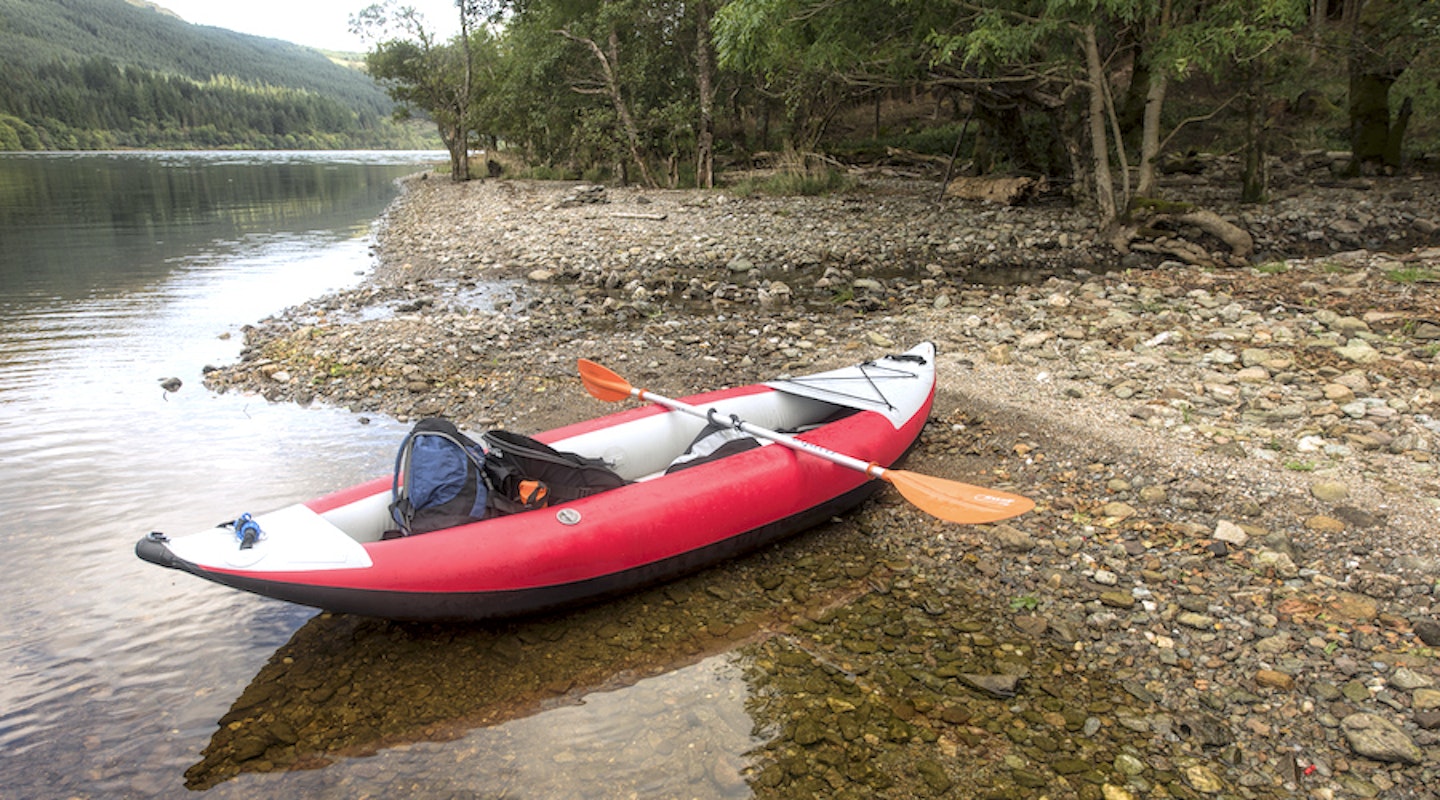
92,74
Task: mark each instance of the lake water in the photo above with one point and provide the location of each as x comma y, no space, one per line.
118,270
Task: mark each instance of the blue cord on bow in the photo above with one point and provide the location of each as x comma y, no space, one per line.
247,531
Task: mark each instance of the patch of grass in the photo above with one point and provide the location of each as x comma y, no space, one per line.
543,173
937,140
1273,268
1412,275
1300,466
791,183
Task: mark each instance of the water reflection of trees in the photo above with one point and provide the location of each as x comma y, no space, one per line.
135,218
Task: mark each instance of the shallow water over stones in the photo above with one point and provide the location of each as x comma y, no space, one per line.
818,668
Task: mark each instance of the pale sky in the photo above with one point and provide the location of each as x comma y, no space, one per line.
317,23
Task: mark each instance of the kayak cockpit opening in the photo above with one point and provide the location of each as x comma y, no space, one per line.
636,451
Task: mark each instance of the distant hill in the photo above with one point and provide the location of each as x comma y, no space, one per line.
87,74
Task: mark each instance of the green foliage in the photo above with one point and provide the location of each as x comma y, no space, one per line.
551,98
542,172
86,74
817,56
599,88
16,134
1024,602
97,103
935,139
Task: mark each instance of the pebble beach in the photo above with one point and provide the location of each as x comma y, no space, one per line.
1236,470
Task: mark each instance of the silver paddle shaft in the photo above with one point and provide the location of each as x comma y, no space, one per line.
869,468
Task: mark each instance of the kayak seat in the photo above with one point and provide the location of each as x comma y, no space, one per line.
644,449
714,442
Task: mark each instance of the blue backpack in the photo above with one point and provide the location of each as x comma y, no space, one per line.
439,479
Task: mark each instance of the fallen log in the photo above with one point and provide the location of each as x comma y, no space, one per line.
1006,190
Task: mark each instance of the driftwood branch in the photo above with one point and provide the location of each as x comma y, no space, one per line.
1155,227
1239,240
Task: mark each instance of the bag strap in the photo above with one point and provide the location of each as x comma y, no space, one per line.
401,508
521,445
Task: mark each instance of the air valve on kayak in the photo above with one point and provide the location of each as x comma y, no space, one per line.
247,531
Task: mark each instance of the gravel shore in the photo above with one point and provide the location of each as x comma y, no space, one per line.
1235,470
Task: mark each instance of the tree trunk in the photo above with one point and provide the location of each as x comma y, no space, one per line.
622,109
764,126
460,149
1255,177
1381,48
456,143
705,85
1394,144
1157,84
609,62
1369,118
1150,133
1099,144
1137,95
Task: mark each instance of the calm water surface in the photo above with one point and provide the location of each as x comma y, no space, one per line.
116,271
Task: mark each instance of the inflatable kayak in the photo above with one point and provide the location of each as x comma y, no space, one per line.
333,552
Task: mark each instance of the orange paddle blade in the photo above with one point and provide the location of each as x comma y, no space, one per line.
957,502
602,384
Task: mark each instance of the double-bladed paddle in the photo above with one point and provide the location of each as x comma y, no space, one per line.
949,500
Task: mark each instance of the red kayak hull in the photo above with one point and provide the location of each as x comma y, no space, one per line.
626,538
